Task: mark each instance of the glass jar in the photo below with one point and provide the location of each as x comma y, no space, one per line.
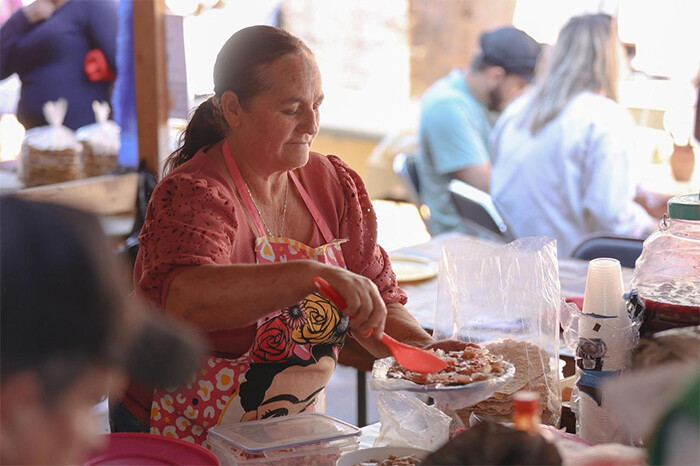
526,411
667,274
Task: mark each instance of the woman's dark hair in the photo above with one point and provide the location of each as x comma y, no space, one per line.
238,68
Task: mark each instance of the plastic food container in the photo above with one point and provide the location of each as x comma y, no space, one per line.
305,439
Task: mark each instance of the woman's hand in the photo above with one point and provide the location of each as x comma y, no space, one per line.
365,306
40,10
447,345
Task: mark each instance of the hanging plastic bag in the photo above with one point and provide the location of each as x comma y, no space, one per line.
408,421
100,142
50,154
506,298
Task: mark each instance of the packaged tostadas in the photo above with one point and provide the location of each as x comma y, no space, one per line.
100,142
50,154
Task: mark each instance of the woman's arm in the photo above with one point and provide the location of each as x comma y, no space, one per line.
9,33
21,22
218,297
102,27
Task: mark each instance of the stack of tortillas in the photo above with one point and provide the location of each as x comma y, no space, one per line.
532,372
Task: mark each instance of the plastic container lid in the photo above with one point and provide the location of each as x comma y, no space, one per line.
685,207
284,432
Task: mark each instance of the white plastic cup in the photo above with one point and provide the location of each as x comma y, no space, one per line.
597,425
604,297
604,289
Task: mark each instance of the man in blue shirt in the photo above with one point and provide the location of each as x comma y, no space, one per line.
456,121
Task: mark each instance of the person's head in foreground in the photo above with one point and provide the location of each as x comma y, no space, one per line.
267,93
504,67
586,57
68,337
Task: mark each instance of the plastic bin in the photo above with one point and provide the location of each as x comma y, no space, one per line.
305,439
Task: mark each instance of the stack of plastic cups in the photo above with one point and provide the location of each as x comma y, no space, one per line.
604,349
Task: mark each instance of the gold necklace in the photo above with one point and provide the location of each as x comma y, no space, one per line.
284,210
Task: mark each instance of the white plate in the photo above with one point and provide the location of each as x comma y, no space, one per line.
412,268
448,396
379,454
381,381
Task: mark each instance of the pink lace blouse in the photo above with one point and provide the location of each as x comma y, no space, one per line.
195,218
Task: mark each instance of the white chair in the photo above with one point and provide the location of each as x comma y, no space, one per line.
405,168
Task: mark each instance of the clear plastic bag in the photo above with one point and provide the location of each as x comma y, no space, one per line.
408,421
100,142
50,154
505,297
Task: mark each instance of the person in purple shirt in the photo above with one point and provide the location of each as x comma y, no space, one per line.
45,43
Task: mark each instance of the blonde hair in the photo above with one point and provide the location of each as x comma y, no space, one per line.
586,57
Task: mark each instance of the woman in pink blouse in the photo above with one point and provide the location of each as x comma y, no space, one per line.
235,233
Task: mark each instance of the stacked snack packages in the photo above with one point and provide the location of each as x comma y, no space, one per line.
50,154
100,142
603,337
506,298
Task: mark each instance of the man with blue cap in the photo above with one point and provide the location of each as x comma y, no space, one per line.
457,118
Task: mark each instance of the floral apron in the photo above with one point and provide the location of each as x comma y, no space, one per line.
292,358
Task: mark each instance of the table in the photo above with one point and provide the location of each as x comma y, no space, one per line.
422,297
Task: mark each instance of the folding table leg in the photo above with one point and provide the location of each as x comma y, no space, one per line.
361,398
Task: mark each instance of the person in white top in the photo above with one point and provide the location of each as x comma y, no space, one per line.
561,151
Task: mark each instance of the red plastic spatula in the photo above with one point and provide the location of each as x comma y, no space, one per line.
412,358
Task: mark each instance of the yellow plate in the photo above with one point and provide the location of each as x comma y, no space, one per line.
413,269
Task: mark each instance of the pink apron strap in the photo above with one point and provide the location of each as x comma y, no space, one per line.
242,188
315,213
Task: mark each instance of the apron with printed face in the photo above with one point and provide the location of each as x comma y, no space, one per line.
292,358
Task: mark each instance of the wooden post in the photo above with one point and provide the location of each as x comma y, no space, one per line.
444,34
151,82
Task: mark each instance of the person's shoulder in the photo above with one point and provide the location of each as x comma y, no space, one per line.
333,170
96,9
323,166
200,174
600,118
97,5
325,178
519,104
600,108
446,90
514,109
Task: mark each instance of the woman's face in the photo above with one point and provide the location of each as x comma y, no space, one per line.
280,124
63,432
